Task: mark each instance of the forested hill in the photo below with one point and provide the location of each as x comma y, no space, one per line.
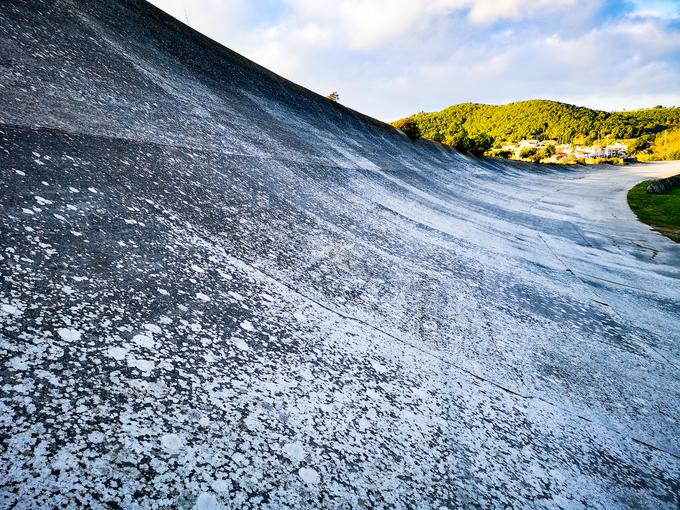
545,120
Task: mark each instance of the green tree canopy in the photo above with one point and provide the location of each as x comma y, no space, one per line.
543,120
409,127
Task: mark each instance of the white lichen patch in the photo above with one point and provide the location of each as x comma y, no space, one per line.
207,501
10,309
241,344
172,443
69,334
117,353
294,451
309,476
248,326
144,365
143,341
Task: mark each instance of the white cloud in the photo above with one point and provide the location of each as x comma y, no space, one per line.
365,25
486,11
389,58
361,25
664,9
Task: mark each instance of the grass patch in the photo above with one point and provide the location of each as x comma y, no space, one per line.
661,212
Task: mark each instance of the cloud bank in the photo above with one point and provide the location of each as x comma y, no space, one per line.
390,58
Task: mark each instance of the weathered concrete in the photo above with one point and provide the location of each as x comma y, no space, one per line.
221,289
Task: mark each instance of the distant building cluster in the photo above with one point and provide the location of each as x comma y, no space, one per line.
568,150
617,150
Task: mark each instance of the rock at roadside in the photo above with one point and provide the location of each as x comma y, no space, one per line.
663,186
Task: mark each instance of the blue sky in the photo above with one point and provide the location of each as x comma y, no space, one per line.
390,58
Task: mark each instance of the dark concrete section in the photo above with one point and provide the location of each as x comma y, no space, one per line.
222,290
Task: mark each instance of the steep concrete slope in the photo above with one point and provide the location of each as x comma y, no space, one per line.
219,289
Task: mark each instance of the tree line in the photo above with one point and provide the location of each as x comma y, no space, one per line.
471,126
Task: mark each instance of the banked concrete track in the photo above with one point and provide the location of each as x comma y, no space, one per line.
221,290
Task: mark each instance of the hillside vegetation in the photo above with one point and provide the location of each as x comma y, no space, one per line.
541,119
663,146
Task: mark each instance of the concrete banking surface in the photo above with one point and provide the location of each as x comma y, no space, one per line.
220,290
